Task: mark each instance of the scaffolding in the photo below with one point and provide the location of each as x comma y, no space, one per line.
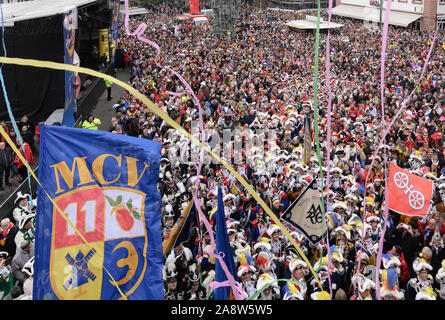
225,15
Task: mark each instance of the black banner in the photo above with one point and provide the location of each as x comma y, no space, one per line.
36,92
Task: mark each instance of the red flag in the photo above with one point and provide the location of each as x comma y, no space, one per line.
194,6
408,193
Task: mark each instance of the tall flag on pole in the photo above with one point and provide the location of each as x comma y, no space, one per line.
223,246
98,233
181,229
408,193
68,40
305,213
307,146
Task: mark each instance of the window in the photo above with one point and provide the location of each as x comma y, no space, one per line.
418,1
403,1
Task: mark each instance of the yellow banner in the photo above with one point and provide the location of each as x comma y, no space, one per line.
104,48
172,123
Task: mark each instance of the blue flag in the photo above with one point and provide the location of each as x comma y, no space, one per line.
223,245
105,184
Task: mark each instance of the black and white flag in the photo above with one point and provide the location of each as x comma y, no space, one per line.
305,214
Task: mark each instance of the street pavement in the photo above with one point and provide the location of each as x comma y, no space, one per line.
104,109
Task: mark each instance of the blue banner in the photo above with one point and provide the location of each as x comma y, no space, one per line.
105,184
68,40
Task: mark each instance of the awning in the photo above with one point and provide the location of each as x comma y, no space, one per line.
311,25
372,14
20,11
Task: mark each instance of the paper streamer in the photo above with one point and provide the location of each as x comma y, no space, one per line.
382,103
388,128
14,148
402,107
139,33
236,287
317,139
382,97
172,123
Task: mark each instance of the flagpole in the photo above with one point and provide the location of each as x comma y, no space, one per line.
307,139
174,232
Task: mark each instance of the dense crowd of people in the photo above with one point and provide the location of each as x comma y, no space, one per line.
17,250
261,79
17,228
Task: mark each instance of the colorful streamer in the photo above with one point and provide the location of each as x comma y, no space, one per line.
328,133
237,290
172,123
14,148
146,101
382,97
272,282
317,138
8,107
382,141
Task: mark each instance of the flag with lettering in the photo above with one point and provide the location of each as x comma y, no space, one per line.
408,193
305,214
106,242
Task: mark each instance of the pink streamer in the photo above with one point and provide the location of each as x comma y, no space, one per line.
382,141
236,286
402,107
382,96
183,150
329,133
175,94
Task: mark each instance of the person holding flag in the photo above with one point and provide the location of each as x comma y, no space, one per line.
223,248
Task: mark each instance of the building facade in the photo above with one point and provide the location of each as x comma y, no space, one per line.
431,13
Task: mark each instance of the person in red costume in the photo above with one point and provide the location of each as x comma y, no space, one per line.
26,152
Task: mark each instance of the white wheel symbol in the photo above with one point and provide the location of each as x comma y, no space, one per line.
416,200
401,180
